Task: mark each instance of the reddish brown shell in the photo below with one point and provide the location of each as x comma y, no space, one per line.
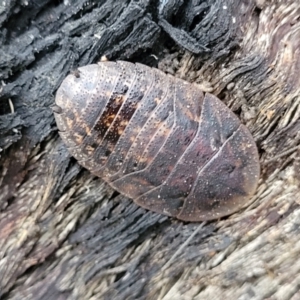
158,140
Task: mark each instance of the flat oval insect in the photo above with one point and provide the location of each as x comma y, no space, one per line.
158,139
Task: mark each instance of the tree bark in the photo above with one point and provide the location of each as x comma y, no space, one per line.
65,234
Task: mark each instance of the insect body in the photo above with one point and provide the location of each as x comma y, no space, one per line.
158,140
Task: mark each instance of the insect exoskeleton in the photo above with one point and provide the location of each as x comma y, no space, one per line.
157,139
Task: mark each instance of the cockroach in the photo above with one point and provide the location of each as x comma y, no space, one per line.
157,139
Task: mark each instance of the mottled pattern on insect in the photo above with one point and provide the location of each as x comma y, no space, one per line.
157,139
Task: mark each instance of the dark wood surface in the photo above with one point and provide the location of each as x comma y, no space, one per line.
65,234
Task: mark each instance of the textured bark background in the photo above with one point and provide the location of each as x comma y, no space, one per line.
65,234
